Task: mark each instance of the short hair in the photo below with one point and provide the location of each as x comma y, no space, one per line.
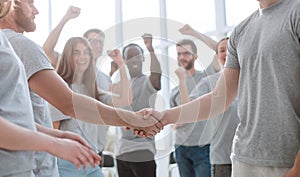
132,45
223,39
188,42
94,30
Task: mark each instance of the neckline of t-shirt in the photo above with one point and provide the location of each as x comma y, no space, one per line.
270,8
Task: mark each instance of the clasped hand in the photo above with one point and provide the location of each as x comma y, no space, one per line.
148,123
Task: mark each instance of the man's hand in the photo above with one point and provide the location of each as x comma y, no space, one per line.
74,137
152,123
116,56
148,41
181,73
74,151
145,123
187,29
72,12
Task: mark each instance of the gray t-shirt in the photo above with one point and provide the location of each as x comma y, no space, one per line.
15,106
143,96
103,82
224,125
265,48
190,134
35,60
86,130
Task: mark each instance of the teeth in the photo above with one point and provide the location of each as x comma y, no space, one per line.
81,62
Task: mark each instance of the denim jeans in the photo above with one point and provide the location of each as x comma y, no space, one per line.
221,170
67,169
193,161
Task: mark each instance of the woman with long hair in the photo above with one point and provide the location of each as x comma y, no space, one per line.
77,68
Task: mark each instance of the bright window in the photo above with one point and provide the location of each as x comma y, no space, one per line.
199,14
94,14
237,10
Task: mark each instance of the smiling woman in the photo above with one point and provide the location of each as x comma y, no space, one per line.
77,68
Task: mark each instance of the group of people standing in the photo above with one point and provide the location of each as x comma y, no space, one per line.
238,118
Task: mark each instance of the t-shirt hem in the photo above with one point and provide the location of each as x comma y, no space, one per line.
262,162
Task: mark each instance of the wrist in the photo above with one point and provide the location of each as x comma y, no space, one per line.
166,118
58,133
120,63
150,49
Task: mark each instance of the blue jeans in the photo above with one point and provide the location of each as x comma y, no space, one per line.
67,169
193,161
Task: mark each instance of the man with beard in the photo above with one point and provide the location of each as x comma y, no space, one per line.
17,17
135,157
191,149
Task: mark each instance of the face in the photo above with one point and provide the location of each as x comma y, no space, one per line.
185,57
222,49
80,58
96,41
134,60
24,14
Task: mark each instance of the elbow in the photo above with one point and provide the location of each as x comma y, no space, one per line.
156,81
67,109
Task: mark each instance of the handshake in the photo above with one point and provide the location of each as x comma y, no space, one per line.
147,123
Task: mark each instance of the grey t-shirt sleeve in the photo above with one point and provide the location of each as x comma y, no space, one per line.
232,56
32,55
210,70
295,20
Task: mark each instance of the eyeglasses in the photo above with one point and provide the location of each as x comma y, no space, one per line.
96,41
184,54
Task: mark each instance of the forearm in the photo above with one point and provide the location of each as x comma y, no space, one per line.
206,39
155,69
93,111
124,97
54,35
208,105
48,131
154,65
183,90
195,110
73,104
14,137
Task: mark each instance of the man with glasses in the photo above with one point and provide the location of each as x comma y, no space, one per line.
192,152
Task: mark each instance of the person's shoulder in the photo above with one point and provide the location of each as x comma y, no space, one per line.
11,34
3,40
18,39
